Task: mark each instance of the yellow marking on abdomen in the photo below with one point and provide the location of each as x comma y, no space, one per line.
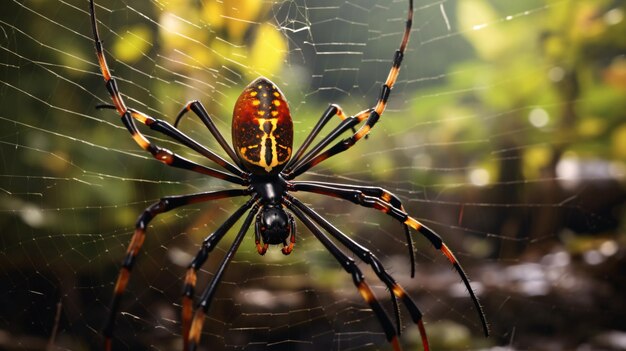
274,145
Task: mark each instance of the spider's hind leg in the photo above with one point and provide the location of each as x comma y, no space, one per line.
346,123
396,291
208,245
401,216
374,191
358,278
192,339
165,204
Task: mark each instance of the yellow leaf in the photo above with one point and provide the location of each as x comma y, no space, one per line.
619,142
615,74
240,15
135,42
591,127
587,22
268,52
536,158
477,20
213,13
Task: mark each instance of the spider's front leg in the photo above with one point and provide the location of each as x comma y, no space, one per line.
163,205
199,110
376,111
129,116
164,127
329,113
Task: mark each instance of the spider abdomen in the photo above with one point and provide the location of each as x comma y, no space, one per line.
262,128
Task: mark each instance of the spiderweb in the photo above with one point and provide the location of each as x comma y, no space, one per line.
504,133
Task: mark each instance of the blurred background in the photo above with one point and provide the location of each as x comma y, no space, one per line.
505,133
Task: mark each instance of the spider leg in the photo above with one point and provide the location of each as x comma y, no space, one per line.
164,155
208,245
329,113
163,205
332,110
349,123
261,249
287,248
174,133
377,111
199,110
368,257
359,198
377,192
350,266
207,295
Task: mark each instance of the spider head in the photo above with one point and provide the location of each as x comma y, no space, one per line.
273,224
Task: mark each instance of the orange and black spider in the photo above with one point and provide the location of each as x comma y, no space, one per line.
263,165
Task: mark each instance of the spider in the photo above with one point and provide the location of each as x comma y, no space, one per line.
264,165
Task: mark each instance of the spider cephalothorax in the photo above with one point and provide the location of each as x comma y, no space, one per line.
263,164
273,224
